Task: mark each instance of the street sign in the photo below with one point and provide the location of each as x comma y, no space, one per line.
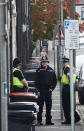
4,89
57,42
56,36
71,34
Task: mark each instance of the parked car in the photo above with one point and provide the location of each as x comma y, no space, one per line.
44,44
33,63
81,85
79,61
29,70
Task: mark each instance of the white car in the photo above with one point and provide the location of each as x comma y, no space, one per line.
81,85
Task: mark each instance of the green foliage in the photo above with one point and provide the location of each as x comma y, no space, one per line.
42,20
33,45
43,16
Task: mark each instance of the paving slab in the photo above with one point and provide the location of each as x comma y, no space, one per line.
56,108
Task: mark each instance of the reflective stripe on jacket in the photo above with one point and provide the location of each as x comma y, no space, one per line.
65,79
16,81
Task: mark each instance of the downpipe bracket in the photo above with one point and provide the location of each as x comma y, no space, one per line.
1,4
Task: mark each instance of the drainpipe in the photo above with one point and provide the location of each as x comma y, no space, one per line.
3,69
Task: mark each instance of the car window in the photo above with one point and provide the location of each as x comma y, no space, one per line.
83,74
79,61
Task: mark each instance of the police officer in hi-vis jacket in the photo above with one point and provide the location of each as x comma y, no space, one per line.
65,80
19,82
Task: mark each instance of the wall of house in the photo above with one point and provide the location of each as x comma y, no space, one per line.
78,10
14,44
23,30
78,7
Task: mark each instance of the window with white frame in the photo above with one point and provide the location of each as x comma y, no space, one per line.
82,13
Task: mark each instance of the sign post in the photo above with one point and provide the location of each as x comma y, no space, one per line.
59,42
71,42
56,36
71,34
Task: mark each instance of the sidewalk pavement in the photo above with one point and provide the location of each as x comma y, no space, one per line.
56,106
56,116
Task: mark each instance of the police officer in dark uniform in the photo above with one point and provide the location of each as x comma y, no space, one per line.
19,82
65,80
46,82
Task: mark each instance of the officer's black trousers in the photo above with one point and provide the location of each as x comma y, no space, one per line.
66,103
45,96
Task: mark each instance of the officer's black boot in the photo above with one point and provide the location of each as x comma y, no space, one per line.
77,117
48,120
39,119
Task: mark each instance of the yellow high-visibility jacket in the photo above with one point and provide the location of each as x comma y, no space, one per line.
16,81
65,79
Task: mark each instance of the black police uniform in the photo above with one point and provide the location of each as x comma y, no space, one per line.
46,79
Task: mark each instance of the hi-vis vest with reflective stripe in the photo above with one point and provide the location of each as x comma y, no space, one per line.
65,80
16,81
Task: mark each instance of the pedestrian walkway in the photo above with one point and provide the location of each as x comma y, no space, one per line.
56,108
56,116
